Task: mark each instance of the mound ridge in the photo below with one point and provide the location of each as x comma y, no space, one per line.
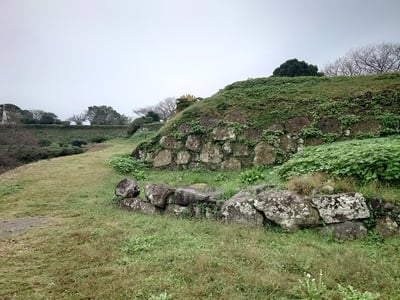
263,121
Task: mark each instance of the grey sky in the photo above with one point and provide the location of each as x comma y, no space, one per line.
62,56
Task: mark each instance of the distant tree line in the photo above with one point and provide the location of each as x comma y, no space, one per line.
373,59
13,114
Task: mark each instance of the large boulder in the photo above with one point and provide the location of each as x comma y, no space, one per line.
158,194
183,158
162,159
346,230
179,211
264,154
343,207
127,188
386,227
286,209
224,133
193,143
169,142
240,210
138,205
211,153
185,196
231,164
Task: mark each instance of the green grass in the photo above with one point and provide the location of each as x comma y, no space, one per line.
365,105
265,101
86,248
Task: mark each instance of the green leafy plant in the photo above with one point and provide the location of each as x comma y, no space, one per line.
365,160
310,132
351,293
252,176
389,123
310,288
271,137
136,245
348,120
126,164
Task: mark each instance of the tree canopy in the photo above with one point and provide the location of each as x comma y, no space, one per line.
14,114
105,115
294,67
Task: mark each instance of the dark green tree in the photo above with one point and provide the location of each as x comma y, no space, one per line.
105,115
48,118
294,67
135,124
154,116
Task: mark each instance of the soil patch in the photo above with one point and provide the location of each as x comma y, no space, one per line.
96,147
18,226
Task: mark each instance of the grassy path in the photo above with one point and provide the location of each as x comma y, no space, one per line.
85,248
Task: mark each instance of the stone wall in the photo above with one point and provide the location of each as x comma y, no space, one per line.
222,145
345,215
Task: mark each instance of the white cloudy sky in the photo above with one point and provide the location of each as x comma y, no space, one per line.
62,56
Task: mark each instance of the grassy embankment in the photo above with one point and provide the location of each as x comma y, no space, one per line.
88,249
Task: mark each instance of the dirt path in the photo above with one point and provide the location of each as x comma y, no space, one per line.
18,226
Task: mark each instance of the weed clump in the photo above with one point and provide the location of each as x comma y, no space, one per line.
364,160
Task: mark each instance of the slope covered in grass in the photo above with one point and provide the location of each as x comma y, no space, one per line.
286,113
86,248
265,101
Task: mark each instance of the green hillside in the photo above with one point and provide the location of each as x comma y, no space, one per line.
288,113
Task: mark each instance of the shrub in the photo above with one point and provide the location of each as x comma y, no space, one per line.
365,160
77,141
126,164
98,139
44,142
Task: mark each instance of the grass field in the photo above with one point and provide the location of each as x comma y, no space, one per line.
86,248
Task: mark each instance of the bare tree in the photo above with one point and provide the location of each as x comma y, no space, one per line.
79,118
37,113
373,59
165,109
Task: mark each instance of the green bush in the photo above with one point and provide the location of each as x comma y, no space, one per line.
77,141
365,160
44,142
126,164
56,149
98,139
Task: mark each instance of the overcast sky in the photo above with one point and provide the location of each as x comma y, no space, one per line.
62,56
